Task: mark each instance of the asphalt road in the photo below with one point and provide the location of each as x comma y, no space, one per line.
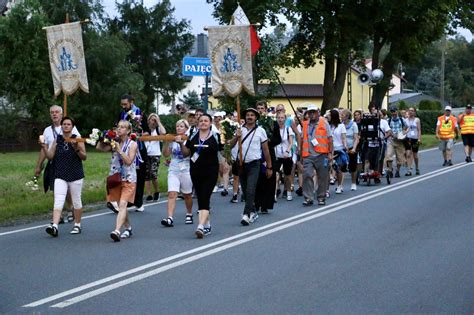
407,247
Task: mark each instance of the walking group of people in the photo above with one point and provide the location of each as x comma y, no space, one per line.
265,151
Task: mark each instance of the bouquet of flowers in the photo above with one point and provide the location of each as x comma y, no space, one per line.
136,121
33,183
94,137
229,127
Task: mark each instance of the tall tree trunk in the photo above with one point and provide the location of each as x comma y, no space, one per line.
335,71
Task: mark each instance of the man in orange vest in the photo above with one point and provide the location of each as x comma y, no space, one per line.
316,152
446,131
466,123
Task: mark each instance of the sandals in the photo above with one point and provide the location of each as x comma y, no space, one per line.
189,219
76,230
168,222
115,235
321,202
52,230
127,233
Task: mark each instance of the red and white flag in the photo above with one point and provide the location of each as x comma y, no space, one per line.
231,49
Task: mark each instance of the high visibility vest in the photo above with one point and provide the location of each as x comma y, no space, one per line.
447,127
467,124
321,136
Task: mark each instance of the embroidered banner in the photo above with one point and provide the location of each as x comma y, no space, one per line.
231,59
66,57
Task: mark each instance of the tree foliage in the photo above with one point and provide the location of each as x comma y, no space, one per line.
159,42
191,100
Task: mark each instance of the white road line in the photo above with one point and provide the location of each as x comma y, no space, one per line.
83,218
176,264
105,213
241,235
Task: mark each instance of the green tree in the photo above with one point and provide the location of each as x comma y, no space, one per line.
191,100
159,42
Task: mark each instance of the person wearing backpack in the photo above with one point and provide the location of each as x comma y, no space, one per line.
395,143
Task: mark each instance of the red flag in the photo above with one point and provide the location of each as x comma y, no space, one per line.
254,41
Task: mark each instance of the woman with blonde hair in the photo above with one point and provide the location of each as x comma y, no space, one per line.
123,161
179,178
153,157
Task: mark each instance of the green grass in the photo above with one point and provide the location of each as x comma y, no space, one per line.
17,201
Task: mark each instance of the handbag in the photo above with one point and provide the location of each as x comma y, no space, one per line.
113,180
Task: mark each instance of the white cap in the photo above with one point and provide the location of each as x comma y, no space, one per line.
218,114
448,108
312,107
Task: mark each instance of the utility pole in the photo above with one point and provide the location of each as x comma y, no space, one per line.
443,53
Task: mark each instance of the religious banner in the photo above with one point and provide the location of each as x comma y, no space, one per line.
231,58
66,57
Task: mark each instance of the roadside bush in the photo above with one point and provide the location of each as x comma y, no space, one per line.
428,120
429,105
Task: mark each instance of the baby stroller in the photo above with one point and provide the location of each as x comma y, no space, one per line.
373,149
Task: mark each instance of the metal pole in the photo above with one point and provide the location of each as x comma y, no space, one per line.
206,93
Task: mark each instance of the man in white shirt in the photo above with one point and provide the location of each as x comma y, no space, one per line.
49,134
254,141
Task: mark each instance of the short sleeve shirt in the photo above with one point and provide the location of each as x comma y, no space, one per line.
252,146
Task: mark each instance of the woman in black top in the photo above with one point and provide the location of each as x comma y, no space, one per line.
204,168
68,174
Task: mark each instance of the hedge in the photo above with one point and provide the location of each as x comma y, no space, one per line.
428,120
169,122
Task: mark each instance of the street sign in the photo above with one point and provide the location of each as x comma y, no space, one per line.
193,66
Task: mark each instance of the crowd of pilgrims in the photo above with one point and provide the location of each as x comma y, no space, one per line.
267,155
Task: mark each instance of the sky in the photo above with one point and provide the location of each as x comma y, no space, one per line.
199,13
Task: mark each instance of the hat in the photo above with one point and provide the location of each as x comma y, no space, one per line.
250,109
312,107
469,106
217,114
448,107
393,108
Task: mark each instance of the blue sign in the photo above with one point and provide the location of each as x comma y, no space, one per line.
193,66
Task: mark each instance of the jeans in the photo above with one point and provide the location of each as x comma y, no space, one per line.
248,180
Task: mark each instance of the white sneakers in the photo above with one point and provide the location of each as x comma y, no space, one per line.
339,190
353,187
289,197
253,217
141,209
246,220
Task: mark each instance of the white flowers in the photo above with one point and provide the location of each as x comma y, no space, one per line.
33,183
93,137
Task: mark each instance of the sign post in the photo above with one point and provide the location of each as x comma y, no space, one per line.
193,66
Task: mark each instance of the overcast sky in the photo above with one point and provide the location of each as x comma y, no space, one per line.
199,13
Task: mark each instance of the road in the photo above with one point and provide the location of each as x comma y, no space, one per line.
407,247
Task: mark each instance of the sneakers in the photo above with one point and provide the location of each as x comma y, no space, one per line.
332,181
207,231
307,202
168,222
189,219
76,230
397,174
299,191
141,209
445,163
224,193
417,172
115,236
289,197
200,232
339,189
113,206
149,198
253,217
126,234
450,163
408,173
245,220
235,199
468,159
156,196
52,230
353,187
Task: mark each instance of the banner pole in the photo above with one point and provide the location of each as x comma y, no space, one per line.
240,138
